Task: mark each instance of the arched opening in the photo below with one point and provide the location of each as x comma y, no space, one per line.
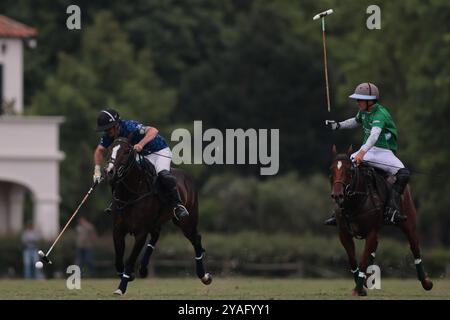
12,207
23,201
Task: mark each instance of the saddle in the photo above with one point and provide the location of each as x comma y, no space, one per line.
152,179
148,167
379,179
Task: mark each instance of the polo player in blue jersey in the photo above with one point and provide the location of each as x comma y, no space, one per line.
147,141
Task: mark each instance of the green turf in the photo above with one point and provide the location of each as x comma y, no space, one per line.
222,288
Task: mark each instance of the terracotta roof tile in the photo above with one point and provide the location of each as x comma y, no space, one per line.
10,28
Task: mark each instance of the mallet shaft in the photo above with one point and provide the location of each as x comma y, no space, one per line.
326,64
71,218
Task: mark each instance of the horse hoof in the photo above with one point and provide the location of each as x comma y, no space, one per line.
118,292
207,279
427,284
143,272
357,293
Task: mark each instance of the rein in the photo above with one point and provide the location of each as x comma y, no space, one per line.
122,173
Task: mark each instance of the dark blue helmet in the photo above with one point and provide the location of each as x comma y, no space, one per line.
107,119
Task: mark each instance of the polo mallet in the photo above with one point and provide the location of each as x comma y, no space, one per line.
316,17
44,257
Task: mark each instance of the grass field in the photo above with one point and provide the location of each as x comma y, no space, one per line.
220,289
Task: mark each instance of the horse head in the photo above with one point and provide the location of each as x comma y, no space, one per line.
119,159
341,174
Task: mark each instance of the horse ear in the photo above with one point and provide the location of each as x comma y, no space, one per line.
334,150
350,150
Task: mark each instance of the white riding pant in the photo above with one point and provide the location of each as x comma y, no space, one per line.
161,159
383,159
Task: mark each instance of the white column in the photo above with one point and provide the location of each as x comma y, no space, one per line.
12,60
46,217
16,202
4,207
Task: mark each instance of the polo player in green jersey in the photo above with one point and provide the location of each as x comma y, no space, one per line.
379,145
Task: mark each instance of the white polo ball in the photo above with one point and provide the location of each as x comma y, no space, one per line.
39,265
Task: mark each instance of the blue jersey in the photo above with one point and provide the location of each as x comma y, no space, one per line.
136,130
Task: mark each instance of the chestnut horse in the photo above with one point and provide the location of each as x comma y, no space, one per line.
139,209
360,194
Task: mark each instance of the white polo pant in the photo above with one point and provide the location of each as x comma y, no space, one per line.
161,159
383,159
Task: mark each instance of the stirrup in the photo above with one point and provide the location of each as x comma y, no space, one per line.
330,221
183,214
108,210
393,216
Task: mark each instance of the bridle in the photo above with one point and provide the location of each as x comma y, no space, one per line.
122,172
348,192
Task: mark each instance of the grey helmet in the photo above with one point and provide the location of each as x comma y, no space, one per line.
366,91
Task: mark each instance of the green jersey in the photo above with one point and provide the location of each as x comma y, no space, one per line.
379,117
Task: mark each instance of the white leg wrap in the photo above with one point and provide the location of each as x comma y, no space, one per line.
199,258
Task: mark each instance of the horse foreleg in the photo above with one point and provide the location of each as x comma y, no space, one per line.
119,248
349,246
369,247
143,271
139,241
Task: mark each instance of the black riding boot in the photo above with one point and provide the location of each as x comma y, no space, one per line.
169,183
392,213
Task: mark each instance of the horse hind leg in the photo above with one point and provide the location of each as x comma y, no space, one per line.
410,231
143,270
371,259
196,240
128,276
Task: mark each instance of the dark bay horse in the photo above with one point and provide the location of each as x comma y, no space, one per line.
360,194
139,209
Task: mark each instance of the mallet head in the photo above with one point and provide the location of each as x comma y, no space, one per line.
323,14
44,258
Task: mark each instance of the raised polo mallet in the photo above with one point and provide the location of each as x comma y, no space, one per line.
44,256
316,17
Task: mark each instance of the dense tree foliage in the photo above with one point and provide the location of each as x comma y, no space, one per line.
246,64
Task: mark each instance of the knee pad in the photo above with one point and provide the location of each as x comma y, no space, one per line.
402,179
167,179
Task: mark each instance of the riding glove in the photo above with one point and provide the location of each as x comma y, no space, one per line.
97,174
332,124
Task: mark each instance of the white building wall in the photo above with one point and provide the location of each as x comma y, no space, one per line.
12,60
30,158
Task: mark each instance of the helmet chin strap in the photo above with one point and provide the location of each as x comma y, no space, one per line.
367,104
117,130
